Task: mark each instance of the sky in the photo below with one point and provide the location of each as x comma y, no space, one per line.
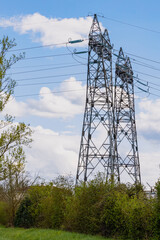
50,91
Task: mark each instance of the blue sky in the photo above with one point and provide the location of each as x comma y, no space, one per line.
58,129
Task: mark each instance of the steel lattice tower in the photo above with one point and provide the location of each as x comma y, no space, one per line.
109,116
97,153
126,147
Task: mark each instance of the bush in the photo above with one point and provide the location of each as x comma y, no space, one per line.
23,216
157,211
97,207
4,217
84,208
139,218
48,202
113,216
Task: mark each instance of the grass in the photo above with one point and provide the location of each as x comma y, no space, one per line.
42,234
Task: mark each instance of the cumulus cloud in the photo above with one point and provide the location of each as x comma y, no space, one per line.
148,120
55,153
67,104
149,152
50,30
52,153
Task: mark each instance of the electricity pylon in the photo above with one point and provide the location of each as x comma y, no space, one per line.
126,147
107,122
96,149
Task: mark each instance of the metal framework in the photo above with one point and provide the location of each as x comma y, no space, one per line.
107,122
96,149
126,147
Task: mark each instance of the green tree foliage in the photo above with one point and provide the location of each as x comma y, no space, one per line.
48,202
7,84
23,216
13,137
11,142
13,178
84,208
139,218
110,210
4,218
157,210
97,207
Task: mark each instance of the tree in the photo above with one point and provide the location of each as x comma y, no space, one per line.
157,210
13,137
7,84
13,177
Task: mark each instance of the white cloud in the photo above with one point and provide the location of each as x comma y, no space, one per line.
51,105
75,96
149,152
148,120
50,30
52,153
14,108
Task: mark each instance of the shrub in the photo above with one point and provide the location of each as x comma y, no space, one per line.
4,217
48,203
23,216
139,218
113,216
84,208
157,211
96,207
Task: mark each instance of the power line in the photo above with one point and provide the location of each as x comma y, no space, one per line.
144,73
137,56
51,76
32,84
65,54
112,19
37,94
151,86
82,80
137,78
56,92
137,62
147,66
42,65
73,90
45,69
36,47
70,75
102,16
47,56
131,25
42,46
150,93
56,44
143,64
147,74
144,58
158,85
80,63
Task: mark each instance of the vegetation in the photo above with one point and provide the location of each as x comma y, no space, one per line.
13,178
36,234
7,84
96,208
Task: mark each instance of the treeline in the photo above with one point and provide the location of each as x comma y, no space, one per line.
99,208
